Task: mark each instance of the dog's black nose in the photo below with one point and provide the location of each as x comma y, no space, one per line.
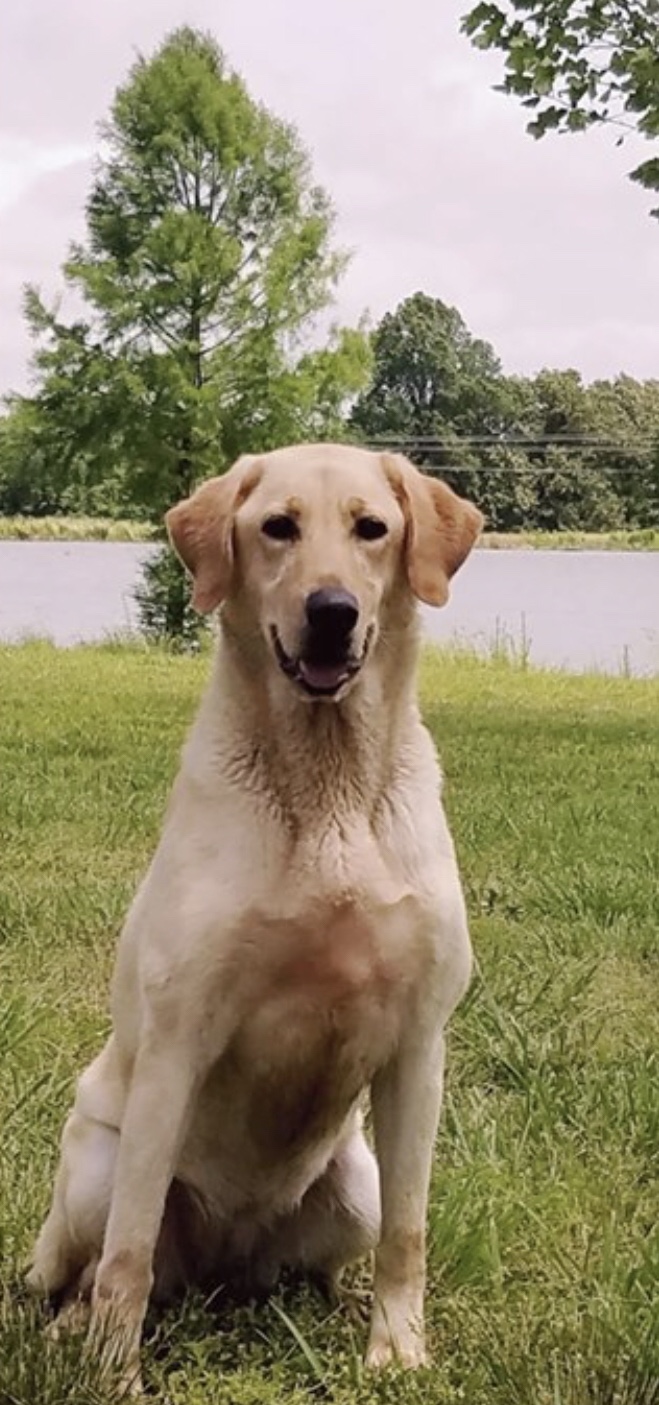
332,611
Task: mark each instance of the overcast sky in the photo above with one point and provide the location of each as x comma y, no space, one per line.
546,248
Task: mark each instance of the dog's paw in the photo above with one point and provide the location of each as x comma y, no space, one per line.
131,1387
408,1352
122,1381
354,1301
71,1321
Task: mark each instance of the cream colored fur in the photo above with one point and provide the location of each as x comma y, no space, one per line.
299,939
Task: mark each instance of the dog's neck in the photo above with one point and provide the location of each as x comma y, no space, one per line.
304,758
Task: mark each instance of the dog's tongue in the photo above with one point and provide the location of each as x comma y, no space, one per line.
326,675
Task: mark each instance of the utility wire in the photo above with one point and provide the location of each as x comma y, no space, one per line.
526,441
424,446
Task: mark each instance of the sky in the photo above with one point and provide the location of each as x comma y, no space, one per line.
546,248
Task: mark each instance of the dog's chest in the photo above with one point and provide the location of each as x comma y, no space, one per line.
329,996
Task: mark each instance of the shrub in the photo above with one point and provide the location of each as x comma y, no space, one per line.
163,603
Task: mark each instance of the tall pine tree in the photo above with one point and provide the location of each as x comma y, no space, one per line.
208,257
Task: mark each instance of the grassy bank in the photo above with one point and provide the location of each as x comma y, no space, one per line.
543,1242
637,539
107,529
74,529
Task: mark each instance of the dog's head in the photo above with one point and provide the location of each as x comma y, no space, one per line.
309,545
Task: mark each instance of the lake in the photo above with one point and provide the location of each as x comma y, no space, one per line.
572,610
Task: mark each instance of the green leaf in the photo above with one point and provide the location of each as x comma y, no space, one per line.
647,174
599,57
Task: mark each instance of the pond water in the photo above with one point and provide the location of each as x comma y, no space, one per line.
573,610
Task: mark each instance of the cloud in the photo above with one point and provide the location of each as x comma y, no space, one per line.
35,234
546,248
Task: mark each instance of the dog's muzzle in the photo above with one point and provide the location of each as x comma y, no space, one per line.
327,659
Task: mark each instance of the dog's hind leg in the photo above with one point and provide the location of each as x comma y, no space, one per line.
338,1220
72,1235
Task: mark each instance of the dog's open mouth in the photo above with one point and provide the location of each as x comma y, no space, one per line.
320,678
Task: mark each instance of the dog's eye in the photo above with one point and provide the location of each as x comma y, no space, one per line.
281,528
370,528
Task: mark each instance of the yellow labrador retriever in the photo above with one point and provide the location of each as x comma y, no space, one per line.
300,936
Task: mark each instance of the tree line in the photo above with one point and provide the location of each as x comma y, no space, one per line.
208,260
546,452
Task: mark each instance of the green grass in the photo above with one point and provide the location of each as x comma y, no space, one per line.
75,529
109,529
544,1254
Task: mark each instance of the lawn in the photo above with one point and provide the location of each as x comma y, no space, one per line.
544,1255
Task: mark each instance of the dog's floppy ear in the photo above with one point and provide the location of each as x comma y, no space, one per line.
201,531
441,528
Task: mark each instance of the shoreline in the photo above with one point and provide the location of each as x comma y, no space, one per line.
105,529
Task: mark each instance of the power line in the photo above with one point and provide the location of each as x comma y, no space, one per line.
574,442
488,447
538,470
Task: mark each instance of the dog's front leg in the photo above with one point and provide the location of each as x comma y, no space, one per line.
163,1084
406,1099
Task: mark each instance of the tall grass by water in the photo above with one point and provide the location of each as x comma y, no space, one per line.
544,1252
623,539
110,529
75,529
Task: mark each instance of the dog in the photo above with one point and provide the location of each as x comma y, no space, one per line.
300,937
